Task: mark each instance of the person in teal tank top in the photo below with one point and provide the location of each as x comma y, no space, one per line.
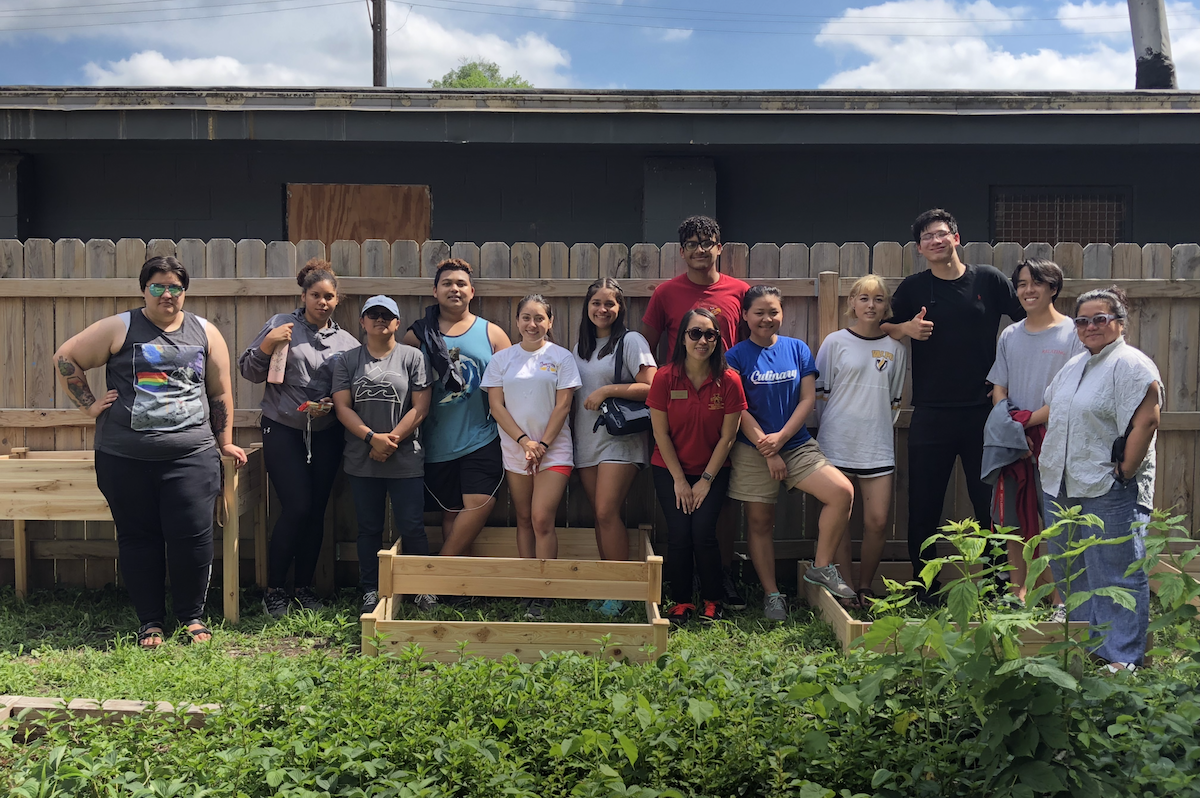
463,467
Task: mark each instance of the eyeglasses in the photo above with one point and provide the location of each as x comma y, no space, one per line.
936,235
696,333
375,314
1099,320
158,289
704,246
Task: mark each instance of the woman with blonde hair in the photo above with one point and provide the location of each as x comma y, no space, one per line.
861,376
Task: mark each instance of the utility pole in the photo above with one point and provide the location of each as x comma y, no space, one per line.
1151,45
379,41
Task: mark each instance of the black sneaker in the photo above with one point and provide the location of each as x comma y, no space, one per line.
536,611
681,614
276,602
733,599
710,612
306,597
370,602
425,602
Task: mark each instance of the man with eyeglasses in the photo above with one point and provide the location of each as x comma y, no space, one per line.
700,286
951,311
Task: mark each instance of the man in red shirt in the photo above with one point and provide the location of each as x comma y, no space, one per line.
701,286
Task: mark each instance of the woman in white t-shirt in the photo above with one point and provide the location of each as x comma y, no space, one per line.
529,389
607,464
860,380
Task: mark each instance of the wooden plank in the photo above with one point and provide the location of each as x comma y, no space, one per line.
405,567
221,262
346,259
1037,249
764,261
406,262
526,641
827,305
280,259
250,315
1069,257
644,264
71,317
100,260
735,260
1127,263
308,249
333,212
433,252
160,248
495,262
1181,480
12,343
230,587
671,262
467,251
20,558
1154,325
614,262
854,259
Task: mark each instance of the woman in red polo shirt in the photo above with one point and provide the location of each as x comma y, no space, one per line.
695,405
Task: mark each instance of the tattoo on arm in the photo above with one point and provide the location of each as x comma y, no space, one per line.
218,416
80,393
65,367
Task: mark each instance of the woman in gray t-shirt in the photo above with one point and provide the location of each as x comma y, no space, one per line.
608,464
381,394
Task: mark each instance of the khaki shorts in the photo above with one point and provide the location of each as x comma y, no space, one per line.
752,480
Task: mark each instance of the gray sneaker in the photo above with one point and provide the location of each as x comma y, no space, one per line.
829,578
370,602
775,607
306,597
425,602
1059,615
276,602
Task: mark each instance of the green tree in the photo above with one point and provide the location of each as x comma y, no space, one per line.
479,74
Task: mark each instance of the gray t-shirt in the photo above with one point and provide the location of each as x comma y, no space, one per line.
381,393
1026,362
593,448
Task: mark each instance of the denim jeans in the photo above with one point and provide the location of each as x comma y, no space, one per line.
408,505
1124,639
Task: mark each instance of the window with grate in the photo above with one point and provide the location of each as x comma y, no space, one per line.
1053,214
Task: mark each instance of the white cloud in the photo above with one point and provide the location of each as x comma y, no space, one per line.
1110,20
326,46
676,35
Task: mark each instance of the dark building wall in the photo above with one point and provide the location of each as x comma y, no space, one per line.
592,194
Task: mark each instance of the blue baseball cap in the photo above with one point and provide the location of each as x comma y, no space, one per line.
381,301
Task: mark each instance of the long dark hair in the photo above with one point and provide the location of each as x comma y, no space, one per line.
716,361
587,328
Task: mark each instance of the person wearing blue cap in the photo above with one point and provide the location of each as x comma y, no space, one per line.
381,394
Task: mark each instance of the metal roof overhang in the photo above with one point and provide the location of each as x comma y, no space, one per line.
599,117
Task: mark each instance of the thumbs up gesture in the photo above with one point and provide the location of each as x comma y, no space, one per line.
919,328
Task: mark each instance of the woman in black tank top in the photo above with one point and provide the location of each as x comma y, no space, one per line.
160,431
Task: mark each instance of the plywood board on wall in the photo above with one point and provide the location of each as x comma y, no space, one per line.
339,212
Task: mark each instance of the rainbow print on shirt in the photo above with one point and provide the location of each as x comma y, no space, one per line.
168,387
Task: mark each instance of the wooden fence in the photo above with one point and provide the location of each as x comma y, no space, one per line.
50,290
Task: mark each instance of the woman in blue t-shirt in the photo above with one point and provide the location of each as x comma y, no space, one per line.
774,446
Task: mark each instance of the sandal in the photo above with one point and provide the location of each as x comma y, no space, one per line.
149,632
193,635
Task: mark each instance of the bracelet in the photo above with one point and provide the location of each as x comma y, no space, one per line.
523,435
543,444
370,435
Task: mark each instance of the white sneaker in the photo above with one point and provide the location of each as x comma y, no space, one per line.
1059,615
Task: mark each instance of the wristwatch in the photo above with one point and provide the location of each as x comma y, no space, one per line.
370,435
707,477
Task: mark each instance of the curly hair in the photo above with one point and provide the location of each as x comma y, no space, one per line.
702,227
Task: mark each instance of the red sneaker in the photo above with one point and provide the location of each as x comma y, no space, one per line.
711,612
681,614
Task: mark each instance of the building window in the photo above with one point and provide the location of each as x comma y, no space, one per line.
1053,214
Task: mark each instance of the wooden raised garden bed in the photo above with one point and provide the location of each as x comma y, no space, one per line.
495,570
849,629
61,486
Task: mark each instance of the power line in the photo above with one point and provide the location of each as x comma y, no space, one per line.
327,4
8,15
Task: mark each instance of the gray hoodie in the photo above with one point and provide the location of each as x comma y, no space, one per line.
309,372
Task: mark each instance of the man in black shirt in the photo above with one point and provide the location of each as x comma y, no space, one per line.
953,313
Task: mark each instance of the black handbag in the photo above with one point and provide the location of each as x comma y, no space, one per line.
622,416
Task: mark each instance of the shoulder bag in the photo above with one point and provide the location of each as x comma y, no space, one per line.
622,416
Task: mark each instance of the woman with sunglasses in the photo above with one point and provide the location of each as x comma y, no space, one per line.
1099,455
696,403
302,449
161,429
381,394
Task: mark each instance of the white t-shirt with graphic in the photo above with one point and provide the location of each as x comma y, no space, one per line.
531,381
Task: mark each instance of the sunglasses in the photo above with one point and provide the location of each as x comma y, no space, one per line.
158,289
692,246
375,314
1099,320
696,333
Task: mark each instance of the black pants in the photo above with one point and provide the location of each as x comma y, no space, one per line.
157,505
408,511
303,491
936,436
692,539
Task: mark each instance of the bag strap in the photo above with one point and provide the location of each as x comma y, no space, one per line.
619,356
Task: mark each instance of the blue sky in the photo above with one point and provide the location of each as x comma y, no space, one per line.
632,44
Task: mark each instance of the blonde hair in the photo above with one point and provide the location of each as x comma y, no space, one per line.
870,283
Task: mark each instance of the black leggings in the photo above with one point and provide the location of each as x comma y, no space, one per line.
303,490
692,538
157,504
936,436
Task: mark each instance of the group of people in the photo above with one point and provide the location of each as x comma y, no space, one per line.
440,418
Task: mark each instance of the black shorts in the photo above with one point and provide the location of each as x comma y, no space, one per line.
479,472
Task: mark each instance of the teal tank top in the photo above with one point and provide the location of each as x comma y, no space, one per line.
461,422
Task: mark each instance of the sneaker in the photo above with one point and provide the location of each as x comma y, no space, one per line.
536,611
1059,615
276,602
710,613
611,608
829,578
775,607
306,597
1116,667
425,602
370,602
681,614
733,599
